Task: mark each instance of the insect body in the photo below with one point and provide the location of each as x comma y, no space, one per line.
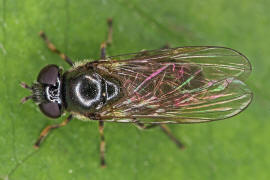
174,85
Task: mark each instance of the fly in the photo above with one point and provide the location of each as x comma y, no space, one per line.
149,88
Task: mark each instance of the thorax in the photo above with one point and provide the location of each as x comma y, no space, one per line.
86,91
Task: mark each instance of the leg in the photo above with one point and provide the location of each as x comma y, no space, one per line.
108,41
53,48
102,144
46,131
143,126
166,46
164,128
167,131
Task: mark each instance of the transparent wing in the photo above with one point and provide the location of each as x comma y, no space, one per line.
180,85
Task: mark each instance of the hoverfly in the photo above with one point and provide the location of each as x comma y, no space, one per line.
171,85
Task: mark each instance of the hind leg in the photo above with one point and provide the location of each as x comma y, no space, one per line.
164,129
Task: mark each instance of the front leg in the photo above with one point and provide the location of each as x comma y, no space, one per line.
52,47
48,129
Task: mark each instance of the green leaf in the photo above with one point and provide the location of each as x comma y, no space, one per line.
236,148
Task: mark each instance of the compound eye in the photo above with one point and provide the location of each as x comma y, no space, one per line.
48,75
50,109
